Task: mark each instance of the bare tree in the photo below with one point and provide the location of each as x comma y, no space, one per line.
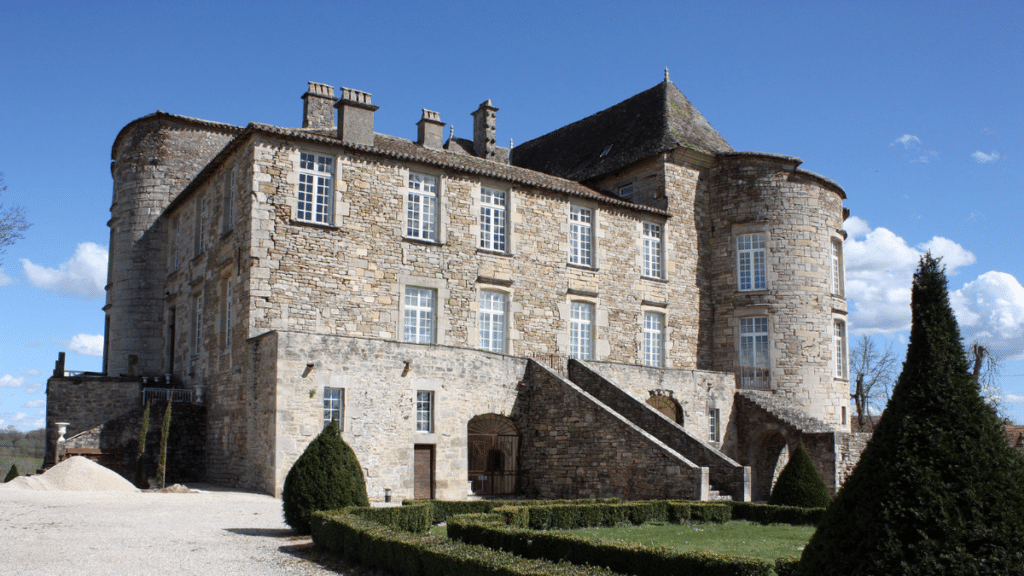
12,221
985,369
872,370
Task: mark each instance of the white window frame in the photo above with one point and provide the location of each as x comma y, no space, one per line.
493,219
197,325
334,407
199,240
419,318
751,262
314,198
836,279
754,352
493,319
581,236
581,330
839,341
228,221
653,252
424,411
654,339
421,212
714,425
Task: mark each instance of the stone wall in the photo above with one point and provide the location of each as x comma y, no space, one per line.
575,447
86,403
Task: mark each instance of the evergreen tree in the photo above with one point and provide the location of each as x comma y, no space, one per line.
12,473
165,431
937,490
326,477
140,463
800,484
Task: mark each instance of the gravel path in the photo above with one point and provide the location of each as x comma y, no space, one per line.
57,532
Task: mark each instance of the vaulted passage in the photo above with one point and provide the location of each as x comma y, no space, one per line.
493,455
667,406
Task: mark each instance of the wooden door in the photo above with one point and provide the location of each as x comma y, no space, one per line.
423,471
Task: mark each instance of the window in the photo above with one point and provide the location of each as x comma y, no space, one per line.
421,212
197,236
750,257
177,240
714,425
653,338
316,184
334,406
197,325
424,411
837,267
420,313
581,321
227,314
581,244
840,344
228,202
493,222
652,250
626,191
754,369
492,321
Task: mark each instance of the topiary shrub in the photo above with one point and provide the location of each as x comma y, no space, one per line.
937,489
326,477
12,473
800,484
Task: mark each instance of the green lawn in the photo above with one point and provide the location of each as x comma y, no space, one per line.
738,537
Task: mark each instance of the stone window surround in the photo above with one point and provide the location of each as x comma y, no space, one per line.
328,204
292,179
483,285
839,322
755,312
424,385
594,233
342,382
642,241
440,230
510,201
228,210
839,267
442,294
742,229
660,361
651,307
327,391
198,225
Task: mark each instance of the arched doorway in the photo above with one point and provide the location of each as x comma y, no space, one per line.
769,458
493,455
667,406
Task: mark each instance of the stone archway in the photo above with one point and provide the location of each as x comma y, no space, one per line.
493,455
769,456
668,406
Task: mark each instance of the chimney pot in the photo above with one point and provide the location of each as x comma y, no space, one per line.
355,117
484,128
430,133
318,107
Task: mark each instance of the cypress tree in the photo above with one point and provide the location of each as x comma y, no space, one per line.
326,477
937,489
799,483
12,473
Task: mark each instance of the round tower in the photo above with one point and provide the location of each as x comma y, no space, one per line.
777,276
152,160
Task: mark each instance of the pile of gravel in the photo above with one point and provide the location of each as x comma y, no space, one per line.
78,474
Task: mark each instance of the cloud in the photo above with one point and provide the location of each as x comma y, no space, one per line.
5,280
33,344
31,372
991,310
87,344
879,269
908,141
983,158
926,158
8,381
83,276
34,388
20,421
1013,398
35,404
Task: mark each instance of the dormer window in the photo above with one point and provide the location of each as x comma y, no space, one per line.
626,191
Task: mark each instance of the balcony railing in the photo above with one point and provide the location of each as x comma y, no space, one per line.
165,395
750,378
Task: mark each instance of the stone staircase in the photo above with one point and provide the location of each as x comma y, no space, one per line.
784,411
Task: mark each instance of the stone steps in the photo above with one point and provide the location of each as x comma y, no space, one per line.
784,411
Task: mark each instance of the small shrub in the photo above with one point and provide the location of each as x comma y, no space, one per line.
12,473
326,477
800,484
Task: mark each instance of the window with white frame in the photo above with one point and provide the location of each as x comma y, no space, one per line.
492,321
754,352
316,188
424,411
493,221
714,425
654,330
421,207
581,236
840,345
228,202
750,262
197,325
836,280
420,315
198,240
334,406
581,330
652,250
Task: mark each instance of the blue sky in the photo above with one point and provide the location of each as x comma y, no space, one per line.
914,108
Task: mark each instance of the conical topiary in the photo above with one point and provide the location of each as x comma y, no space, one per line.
799,484
327,476
12,473
937,489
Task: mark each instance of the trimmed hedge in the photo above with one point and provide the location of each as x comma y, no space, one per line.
627,558
768,514
786,566
405,554
799,483
587,515
415,519
442,509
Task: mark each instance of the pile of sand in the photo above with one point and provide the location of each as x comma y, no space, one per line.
76,473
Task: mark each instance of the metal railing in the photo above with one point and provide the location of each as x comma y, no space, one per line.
165,395
749,378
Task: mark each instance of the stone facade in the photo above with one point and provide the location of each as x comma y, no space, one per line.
261,267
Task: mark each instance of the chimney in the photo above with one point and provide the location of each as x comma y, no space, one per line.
430,132
318,107
355,117
483,131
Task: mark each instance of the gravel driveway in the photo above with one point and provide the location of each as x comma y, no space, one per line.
146,533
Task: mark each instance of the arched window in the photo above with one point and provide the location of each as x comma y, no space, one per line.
667,406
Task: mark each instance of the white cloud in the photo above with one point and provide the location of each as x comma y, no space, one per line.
5,280
908,141
926,158
34,388
31,372
953,255
983,158
991,310
83,276
87,344
35,404
8,381
1013,398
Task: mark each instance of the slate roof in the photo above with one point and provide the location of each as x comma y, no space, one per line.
654,121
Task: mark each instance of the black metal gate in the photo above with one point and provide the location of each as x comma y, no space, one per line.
493,455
